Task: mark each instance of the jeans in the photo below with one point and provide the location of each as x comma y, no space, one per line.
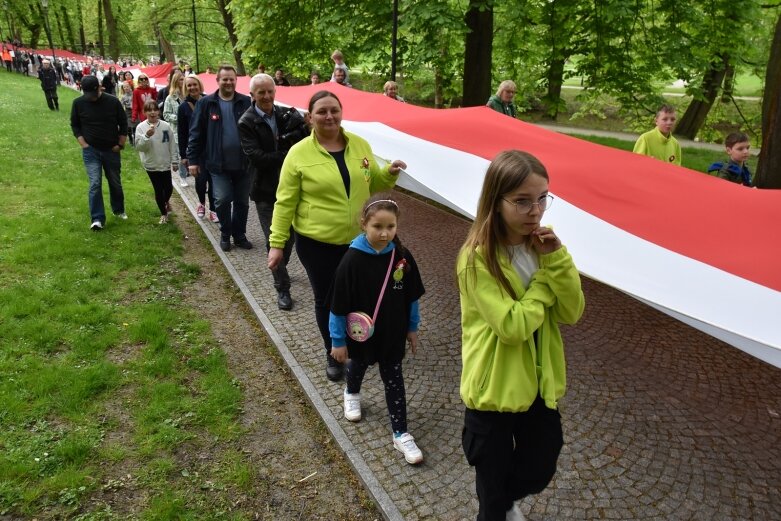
96,163
231,193
281,276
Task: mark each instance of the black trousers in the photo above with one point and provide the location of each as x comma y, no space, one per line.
514,455
395,394
281,276
51,99
320,261
161,182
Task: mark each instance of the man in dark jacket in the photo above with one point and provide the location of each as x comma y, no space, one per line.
99,123
214,141
49,82
267,132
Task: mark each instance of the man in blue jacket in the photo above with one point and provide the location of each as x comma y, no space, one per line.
214,140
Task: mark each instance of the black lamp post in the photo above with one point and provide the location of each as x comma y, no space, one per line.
45,5
394,38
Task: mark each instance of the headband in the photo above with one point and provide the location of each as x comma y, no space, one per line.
380,201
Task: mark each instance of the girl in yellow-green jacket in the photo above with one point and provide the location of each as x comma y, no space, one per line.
517,284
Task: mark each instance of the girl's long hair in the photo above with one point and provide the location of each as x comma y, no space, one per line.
506,173
172,86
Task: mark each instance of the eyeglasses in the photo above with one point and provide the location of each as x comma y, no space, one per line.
143,79
524,206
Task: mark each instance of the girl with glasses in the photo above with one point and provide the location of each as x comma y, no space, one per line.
517,283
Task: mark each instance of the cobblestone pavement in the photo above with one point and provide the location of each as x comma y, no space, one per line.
661,421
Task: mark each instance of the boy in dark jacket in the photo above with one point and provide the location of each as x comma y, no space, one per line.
735,170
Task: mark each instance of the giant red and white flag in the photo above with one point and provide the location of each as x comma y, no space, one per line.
703,250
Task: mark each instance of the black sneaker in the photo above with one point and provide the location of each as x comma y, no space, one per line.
244,244
225,244
333,369
284,301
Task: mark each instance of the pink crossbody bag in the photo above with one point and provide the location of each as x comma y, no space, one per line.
360,326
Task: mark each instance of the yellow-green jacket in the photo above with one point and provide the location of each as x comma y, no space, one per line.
504,369
311,194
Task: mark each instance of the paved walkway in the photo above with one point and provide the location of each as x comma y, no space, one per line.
661,421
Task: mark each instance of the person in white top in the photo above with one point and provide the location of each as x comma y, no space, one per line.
159,155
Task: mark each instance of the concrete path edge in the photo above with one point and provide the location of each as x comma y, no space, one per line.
367,477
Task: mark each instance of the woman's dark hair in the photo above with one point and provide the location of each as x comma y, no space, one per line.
384,201
320,95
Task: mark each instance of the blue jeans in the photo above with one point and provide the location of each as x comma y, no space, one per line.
231,195
96,163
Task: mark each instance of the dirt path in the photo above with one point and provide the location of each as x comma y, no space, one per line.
285,440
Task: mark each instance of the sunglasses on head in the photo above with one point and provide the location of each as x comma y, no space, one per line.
141,78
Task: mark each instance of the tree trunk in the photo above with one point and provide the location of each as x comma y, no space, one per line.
100,29
61,44
729,84
111,29
478,50
68,28
167,50
769,168
698,109
227,17
555,79
438,101
82,36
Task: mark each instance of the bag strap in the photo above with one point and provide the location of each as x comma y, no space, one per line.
384,285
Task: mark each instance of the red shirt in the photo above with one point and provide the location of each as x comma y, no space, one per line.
140,95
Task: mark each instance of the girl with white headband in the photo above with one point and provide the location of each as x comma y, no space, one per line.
379,280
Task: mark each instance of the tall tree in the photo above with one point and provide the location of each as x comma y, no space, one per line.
478,47
111,29
225,10
721,35
769,169
101,47
68,28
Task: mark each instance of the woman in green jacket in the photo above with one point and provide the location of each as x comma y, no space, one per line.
324,182
517,283
502,101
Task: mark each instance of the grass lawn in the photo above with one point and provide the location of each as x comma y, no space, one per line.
100,365
693,158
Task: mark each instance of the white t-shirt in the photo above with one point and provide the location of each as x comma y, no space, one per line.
524,261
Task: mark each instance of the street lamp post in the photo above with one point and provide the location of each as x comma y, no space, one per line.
45,5
394,38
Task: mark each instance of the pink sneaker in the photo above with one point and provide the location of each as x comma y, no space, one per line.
213,217
200,211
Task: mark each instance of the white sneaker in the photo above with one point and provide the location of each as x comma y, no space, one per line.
515,514
352,406
122,216
407,446
163,219
183,183
96,226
